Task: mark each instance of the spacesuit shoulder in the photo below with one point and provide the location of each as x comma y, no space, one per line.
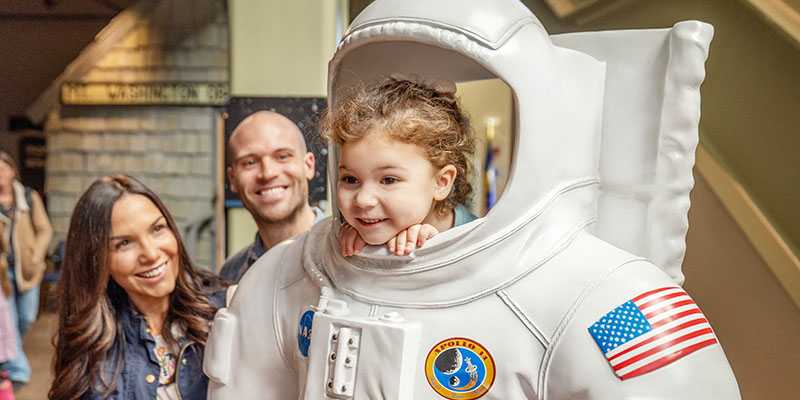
246,351
634,333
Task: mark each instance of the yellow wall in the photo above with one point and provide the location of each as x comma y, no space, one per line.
481,101
281,48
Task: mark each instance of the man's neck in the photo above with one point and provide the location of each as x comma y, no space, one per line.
274,233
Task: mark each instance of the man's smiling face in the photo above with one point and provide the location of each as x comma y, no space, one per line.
270,168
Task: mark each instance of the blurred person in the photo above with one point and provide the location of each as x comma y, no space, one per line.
135,311
8,340
270,167
26,235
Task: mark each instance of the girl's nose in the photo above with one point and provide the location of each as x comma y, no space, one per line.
365,199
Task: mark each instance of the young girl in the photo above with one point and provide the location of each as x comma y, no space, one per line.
404,156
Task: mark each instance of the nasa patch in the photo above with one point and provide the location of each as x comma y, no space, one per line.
304,332
460,368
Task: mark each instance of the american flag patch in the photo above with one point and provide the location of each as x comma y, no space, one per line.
651,330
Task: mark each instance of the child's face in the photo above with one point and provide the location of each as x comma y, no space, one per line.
385,186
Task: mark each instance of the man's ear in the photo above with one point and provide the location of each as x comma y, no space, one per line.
308,162
234,189
444,180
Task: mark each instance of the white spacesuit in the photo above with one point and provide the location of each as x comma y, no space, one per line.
533,301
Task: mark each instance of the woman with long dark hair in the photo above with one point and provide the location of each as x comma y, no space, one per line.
135,311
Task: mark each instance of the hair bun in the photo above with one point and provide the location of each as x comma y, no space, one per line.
445,88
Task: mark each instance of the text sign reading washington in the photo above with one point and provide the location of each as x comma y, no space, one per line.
128,94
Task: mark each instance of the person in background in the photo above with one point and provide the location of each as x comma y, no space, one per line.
270,167
134,312
26,235
8,340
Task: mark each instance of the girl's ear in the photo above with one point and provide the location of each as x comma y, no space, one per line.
444,182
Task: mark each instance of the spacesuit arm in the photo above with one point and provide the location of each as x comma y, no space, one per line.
578,367
244,355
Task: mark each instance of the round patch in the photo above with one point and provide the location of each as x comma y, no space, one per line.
460,368
304,332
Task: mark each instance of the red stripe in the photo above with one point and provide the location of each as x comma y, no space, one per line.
660,299
667,359
678,316
645,294
669,307
656,336
661,347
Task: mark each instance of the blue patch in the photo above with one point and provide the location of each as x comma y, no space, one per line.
460,368
304,332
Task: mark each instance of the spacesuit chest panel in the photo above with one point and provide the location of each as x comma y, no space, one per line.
478,349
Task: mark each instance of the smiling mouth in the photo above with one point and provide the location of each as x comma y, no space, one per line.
270,191
154,272
370,221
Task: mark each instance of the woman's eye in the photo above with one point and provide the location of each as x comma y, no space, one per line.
389,180
122,243
350,180
158,228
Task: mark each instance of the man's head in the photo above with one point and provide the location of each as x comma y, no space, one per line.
270,167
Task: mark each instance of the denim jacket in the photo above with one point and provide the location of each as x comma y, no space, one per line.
139,377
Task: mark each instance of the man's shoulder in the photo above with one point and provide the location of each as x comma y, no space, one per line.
231,266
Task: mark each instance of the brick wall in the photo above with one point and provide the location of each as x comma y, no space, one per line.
170,149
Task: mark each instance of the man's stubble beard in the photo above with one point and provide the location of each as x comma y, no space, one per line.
262,219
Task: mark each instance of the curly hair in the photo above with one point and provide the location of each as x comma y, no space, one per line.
410,112
92,303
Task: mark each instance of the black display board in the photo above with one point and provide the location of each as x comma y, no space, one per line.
32,158
304,111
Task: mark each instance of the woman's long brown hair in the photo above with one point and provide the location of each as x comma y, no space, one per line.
91,302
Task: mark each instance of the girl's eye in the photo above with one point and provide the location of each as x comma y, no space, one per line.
389,180
158,228
122,243
350,180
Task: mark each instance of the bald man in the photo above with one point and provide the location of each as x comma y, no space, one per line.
269,168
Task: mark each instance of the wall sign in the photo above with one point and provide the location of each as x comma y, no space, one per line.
154,93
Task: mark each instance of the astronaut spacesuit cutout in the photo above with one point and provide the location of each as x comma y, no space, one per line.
567,289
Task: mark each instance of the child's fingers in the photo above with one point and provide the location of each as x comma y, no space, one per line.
411,237
426,232
346,238
359,244
400,247
391,244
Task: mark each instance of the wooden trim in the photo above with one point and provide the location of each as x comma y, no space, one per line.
783,16
220,198
765,239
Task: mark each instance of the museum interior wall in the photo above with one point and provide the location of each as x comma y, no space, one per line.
147,54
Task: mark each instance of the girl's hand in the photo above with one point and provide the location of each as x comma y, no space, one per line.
410,238
350,242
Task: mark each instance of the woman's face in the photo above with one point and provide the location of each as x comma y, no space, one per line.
7,175
143,252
